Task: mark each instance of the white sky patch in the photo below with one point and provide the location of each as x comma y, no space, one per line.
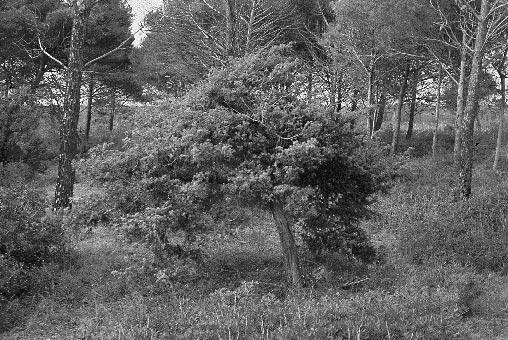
140,8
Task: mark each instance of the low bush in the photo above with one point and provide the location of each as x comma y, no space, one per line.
31,240
473,232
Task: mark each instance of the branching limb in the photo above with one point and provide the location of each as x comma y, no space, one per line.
49,55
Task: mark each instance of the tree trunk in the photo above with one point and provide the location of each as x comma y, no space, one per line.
112,111
89,109
472,104
370,98
354,101
438,108
460,104
380,110
398,113
69,120
288,245
231,26
502,78
412,105
501,120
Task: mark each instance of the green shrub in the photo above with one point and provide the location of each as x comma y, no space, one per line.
26,235
19,136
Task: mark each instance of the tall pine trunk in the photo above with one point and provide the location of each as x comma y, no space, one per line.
398,113
69,120
288,245
472,104
438,110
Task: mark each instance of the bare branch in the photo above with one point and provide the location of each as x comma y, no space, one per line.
116,49
49,55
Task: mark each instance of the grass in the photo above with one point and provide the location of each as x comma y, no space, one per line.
111,290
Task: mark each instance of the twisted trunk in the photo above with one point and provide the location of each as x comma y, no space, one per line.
288,244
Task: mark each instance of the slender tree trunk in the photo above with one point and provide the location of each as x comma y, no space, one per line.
398,113
460,103
89,109
412,105
354,101
112,112
69,120
231,26
501,121
288,244
370,98
472,104
380,110
438,108
502,78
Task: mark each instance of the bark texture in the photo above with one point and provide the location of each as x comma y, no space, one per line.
472,104
288,244
460,103
69,120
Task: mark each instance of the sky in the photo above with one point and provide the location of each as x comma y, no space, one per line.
140,8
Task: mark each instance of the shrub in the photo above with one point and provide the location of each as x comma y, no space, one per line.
26,235
20,140
432,224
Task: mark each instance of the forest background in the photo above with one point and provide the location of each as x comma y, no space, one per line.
278,169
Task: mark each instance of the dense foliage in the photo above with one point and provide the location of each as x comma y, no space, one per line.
245,134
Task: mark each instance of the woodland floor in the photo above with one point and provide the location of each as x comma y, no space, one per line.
91,300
